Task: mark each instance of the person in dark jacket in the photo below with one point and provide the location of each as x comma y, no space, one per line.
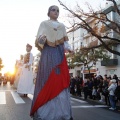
72,84
117,91
90,86
79,83
85,90
116,78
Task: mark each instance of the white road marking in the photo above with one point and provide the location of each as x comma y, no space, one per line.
89,106
30,96
100,105
17,98
6,90
81,101
72,99
2,98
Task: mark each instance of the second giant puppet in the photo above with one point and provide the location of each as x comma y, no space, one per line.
26,85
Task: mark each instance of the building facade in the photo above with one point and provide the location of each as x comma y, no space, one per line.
81,37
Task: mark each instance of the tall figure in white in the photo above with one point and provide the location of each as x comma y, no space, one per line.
26,85
18,67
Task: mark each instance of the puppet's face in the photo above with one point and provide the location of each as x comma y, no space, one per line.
54,12
28,49
21,57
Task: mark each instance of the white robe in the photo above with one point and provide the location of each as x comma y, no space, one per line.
18,73
26,84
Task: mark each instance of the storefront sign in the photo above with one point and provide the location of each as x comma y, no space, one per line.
91,71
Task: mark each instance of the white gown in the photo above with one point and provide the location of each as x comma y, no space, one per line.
18,73
26,84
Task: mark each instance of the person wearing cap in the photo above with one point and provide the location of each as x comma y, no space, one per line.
111,90
51,99
26,85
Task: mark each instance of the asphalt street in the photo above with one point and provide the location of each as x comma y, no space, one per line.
16,107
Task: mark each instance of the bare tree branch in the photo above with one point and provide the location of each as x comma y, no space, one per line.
100,17
115,5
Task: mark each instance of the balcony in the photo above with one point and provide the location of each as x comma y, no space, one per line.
93,43
110,62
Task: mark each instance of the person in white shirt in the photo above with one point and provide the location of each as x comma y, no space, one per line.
18,67
111,90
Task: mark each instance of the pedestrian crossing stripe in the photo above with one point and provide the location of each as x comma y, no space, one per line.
2,98
17,98
30,96
90,106
81,101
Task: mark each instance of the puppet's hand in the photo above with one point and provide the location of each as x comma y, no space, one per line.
42,39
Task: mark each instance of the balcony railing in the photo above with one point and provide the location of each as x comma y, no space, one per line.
110,62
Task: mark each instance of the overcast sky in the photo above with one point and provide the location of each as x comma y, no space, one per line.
19,22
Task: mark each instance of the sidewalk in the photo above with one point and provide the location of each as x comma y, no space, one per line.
94,102
88,99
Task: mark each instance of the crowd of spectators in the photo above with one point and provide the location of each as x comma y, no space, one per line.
105,89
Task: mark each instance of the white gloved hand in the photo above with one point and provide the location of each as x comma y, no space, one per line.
67,46
42,39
